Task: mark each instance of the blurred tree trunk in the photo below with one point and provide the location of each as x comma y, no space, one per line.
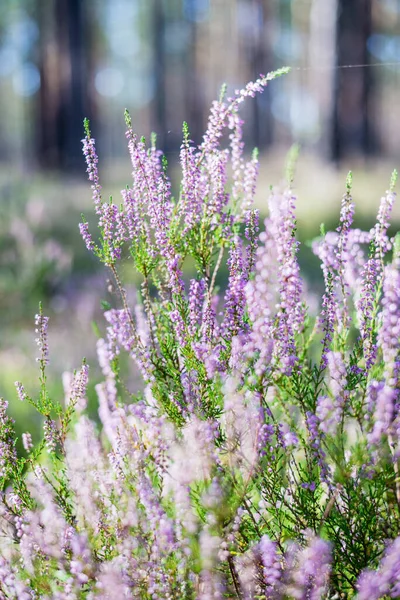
192,87
261,58
254,22
351,122
65,78
322,60
159,67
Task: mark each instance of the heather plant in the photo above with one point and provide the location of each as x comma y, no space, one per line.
261,459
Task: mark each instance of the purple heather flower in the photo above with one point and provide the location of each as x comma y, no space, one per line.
373,390
389,332
80,564
337,380
355,258
315,436
210,581
250,232
271,567
223,114
150,183
328,319
27,441
242,422
328,414
132,215
216,124
105,356
210,327
235,124
235,295
196,303
195,456
286,437
373,585
290,317
386,398
41,323
87,474
145,322
44,529
379,232
265,438
138,156
179,327
281,289
8,455
121,229
346,220
365,307
87,238
256,87
261,298
245,566
309,486
51,435
310,575
22,395
76,386
10,584
282,209
249,182
89,150
369,586
107,222
80,383
174,273
111,581
189,381
121,333
217,168
195,186
325,249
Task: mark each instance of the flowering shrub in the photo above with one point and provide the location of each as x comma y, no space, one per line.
261,460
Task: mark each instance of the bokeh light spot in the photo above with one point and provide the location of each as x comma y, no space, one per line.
26,80
109,82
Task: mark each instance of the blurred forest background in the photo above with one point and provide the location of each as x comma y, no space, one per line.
165,60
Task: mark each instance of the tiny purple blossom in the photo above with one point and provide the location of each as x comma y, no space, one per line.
235,294
192,185
373,585
22,395
41,323
310,576
381,239
87,238
271,567
389,332
27,441
365,307
346,220
51,435
316,437
89,151
196,302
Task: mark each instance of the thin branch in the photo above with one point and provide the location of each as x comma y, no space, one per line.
235,577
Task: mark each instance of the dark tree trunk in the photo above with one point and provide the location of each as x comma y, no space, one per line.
159,66
261,59
65,82
351,122
194,100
